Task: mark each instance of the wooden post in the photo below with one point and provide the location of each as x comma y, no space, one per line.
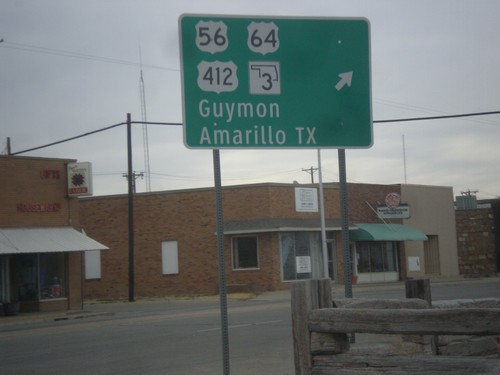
306,296
421,289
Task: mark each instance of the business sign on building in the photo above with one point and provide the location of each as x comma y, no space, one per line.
303,264
400,212
393,208
79,179
280,82
306,199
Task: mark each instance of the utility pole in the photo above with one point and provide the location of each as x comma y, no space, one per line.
469,192
135,176
311,172
131,183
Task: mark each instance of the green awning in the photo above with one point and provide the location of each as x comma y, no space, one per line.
386,232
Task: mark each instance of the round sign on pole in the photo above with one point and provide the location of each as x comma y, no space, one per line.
392,200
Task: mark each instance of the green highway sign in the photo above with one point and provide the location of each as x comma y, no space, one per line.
281,82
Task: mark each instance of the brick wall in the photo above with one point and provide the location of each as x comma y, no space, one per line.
188,217
272,200
267,277
360,195
34,193
185,217
476,242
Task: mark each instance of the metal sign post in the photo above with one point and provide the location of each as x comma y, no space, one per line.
345,225
221,259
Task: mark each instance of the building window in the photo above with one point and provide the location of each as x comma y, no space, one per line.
301,255
53,275
376,257
169,258
245,252
38,276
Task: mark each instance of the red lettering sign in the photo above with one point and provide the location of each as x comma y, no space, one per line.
38,207
50,173
78,190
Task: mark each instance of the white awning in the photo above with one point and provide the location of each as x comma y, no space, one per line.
45,240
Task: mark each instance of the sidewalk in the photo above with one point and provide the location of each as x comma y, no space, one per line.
54,316
93,309
106,308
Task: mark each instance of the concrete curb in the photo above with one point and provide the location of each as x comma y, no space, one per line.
50,317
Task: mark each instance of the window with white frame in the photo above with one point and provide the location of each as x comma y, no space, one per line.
245,252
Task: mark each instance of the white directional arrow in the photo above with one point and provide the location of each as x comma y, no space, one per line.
345,79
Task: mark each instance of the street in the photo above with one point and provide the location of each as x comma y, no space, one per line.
179,336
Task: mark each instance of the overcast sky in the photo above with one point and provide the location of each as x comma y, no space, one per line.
71,67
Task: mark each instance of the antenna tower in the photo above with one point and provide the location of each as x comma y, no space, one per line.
145,139
404,158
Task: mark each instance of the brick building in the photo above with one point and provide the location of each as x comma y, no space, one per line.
478,228
272,235
41,245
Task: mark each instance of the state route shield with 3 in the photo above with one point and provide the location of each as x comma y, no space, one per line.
275,82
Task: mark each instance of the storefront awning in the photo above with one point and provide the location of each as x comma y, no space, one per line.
386,232
45,240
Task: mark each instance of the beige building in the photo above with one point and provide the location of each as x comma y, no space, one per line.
433,213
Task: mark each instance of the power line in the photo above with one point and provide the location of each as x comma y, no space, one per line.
93,132
429,111
437,117
68,139
77,55
157,123
180,124
65,53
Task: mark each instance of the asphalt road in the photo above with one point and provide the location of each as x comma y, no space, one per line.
442,290
179,336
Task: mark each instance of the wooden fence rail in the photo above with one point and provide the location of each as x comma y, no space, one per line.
407,321
321,344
